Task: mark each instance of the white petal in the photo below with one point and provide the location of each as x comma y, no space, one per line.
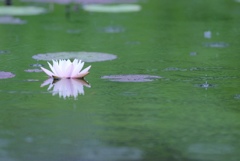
83,73
57,68
77,69
49,73
51,67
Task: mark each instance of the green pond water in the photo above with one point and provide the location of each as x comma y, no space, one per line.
169,119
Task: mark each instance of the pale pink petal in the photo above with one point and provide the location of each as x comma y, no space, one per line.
52,68
49,73
77,69
83,73
57,69
47,82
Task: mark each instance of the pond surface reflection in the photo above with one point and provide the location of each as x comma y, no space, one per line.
66,87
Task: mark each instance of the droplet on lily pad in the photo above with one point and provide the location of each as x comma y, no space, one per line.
21,10
5,75
131,78
84,56
112,8
11,20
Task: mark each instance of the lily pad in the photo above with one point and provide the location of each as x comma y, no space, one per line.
112,8
21,10
5,75
131,78
11,20
84,56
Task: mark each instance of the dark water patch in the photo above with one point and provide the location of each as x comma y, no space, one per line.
11,20
4,51
84,56
33,70
216,44
237,96
5,75
131,78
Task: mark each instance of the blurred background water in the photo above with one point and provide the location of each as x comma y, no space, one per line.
190,113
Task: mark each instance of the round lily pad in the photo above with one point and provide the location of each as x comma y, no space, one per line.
112,8
21,10
84,56
5,75
131,78
11,20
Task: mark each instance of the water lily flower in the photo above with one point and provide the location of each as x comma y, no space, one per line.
67,69
66,87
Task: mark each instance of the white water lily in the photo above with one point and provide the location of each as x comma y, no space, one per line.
67,69
66,87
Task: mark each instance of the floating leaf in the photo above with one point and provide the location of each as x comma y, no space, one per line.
84,56
131,78
11,20
21,11
112,8
5,75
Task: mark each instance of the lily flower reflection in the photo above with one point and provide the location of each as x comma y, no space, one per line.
66,87
67,69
